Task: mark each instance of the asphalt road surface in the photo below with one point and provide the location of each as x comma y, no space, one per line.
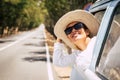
25,57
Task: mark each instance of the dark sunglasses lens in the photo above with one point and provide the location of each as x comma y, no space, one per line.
78,26
68,30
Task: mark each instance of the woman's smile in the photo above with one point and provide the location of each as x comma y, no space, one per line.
76,35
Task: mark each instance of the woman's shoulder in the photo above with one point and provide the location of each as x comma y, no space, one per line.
94,38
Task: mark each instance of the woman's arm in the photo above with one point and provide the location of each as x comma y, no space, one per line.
60,58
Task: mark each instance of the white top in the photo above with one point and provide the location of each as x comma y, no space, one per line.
61,57
84,58
80,58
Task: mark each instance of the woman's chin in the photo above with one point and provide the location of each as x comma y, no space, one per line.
77,41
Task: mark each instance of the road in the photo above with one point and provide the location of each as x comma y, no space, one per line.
25,57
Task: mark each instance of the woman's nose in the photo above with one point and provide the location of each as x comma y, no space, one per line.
73,30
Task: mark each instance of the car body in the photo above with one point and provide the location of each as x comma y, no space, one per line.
105,64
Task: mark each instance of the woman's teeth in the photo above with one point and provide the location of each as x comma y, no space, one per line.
78,37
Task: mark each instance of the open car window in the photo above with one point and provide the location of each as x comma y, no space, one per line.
109,65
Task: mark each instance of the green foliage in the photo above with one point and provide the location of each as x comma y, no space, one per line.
56,8
28,14
24,14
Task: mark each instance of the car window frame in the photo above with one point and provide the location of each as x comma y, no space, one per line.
101,39
108,32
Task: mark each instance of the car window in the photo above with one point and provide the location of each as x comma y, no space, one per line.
99,15
109,65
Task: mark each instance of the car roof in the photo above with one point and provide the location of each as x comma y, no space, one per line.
102,4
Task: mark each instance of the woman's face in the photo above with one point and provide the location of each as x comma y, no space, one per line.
78,35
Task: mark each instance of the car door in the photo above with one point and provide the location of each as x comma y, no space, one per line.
105,62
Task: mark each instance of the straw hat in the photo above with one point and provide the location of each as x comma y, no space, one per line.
77,15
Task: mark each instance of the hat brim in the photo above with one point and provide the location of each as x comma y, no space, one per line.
77,15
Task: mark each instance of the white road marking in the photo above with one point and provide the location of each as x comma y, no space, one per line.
15,42
50,73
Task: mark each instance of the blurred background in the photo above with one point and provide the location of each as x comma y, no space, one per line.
22,15
22,39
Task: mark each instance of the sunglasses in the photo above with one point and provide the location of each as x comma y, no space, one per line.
77,26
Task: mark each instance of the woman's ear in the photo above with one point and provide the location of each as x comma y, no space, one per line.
87,32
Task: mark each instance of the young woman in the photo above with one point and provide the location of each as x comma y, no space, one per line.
77,29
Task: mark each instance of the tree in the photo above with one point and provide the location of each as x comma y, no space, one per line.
56,8
23,14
